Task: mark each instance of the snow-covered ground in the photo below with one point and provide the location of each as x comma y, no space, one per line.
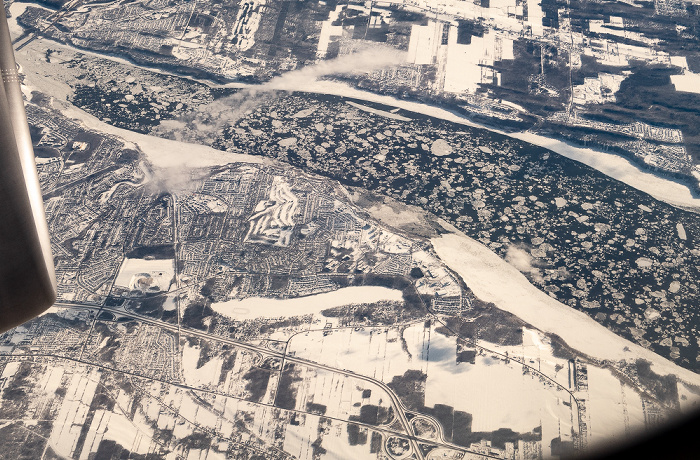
16,10
688,82
73,412
495,387
259,307
494,280
117,427
146,275
499,394
373,352
328,30
205,376
171,300
612,408
273,218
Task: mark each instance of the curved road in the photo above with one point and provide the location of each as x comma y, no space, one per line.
398,405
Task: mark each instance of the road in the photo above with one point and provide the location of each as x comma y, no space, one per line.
30,36
398,406
173,200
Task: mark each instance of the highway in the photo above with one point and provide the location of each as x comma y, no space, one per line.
398,406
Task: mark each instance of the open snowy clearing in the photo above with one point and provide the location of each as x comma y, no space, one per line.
257,307
500,394
688,82
206,375
146,275
73,412
494,280
117,427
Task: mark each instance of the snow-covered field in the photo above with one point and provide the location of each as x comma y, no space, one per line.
688,82
342,395
498,393
494,280
373,352
205,376
612,409
298,439
494,389
117,427
146,275
73,412
257,307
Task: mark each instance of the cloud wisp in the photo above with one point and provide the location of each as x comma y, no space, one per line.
206,123
523,261
360,62
228,110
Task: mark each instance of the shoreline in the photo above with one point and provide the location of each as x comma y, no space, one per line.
492,279
161,152
674,192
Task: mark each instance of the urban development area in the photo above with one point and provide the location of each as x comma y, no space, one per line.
320,230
